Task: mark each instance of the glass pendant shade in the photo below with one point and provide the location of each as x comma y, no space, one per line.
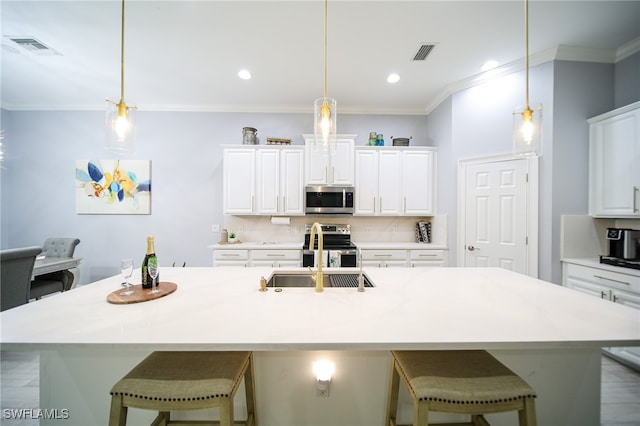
324,123
120,127
527,131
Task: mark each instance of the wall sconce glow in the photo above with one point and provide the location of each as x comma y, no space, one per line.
393,78
323,370
527,132
244,74
489,65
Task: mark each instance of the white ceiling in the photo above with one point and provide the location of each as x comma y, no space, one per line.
184,55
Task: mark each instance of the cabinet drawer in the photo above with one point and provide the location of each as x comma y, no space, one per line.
384,255
231,254
275,254
604,277
426,254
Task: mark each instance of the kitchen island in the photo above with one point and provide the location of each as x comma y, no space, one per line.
548,334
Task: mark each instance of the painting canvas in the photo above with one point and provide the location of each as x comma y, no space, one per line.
113,186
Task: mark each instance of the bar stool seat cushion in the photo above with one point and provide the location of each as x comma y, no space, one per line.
460,377
184,376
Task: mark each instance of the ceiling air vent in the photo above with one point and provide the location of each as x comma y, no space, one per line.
33,45
423,51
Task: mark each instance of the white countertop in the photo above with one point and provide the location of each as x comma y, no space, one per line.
298,245
595,263
258,245
399,246
422,308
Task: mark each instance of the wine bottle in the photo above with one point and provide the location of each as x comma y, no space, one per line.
147,281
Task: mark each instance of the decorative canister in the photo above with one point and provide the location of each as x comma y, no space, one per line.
249,136
372,138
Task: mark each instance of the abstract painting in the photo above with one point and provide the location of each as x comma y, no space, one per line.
113,187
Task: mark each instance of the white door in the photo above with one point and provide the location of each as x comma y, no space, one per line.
496,216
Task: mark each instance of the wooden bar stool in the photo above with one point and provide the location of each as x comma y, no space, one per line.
462,382
172,381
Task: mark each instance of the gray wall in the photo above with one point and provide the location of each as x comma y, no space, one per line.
38,178
476,122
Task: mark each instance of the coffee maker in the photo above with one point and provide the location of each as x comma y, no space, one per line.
623,243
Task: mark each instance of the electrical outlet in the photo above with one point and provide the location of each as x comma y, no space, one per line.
215,228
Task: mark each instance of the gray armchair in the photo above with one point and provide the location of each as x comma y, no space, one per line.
16,268
54,281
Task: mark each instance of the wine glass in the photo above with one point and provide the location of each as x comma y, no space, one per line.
126,268
152,267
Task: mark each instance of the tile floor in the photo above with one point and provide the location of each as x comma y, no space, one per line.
20,387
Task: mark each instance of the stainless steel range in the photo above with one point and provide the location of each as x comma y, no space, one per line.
338,250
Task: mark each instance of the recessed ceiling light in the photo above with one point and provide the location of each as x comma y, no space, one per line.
489,65
244,74
393,78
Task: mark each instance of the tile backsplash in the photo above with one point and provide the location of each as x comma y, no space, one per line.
363,229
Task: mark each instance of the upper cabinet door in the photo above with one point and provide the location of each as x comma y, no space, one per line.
239,167
268,181
366,186
390,182
330,168
614,163
291,181
419,183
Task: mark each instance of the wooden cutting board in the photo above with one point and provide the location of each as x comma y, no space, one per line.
140,294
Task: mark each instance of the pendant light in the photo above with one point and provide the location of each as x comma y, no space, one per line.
120,125
527,122
324,108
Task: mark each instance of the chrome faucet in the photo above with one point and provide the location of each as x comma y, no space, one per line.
318,277
360,277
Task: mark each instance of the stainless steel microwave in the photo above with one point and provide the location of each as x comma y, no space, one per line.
329,199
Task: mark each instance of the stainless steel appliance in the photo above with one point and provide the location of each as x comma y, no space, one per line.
329,199
624,248
338,250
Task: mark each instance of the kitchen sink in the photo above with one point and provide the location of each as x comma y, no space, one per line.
303,279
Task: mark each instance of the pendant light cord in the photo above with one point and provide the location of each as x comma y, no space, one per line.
122,56
526,50
326,41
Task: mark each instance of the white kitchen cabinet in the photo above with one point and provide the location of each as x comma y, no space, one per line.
279,258
419,258
614,163
382,258
263,180
279,187
330,168
617,287
395,181
241,257
239,181
418,177
231,257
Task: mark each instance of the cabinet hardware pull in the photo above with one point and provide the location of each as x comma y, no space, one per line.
603,295
615,298
230,254
382,255
275,254
427,255
635,207
611,279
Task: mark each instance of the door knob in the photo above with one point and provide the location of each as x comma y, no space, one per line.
472,248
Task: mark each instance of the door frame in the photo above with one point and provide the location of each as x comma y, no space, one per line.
532,203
